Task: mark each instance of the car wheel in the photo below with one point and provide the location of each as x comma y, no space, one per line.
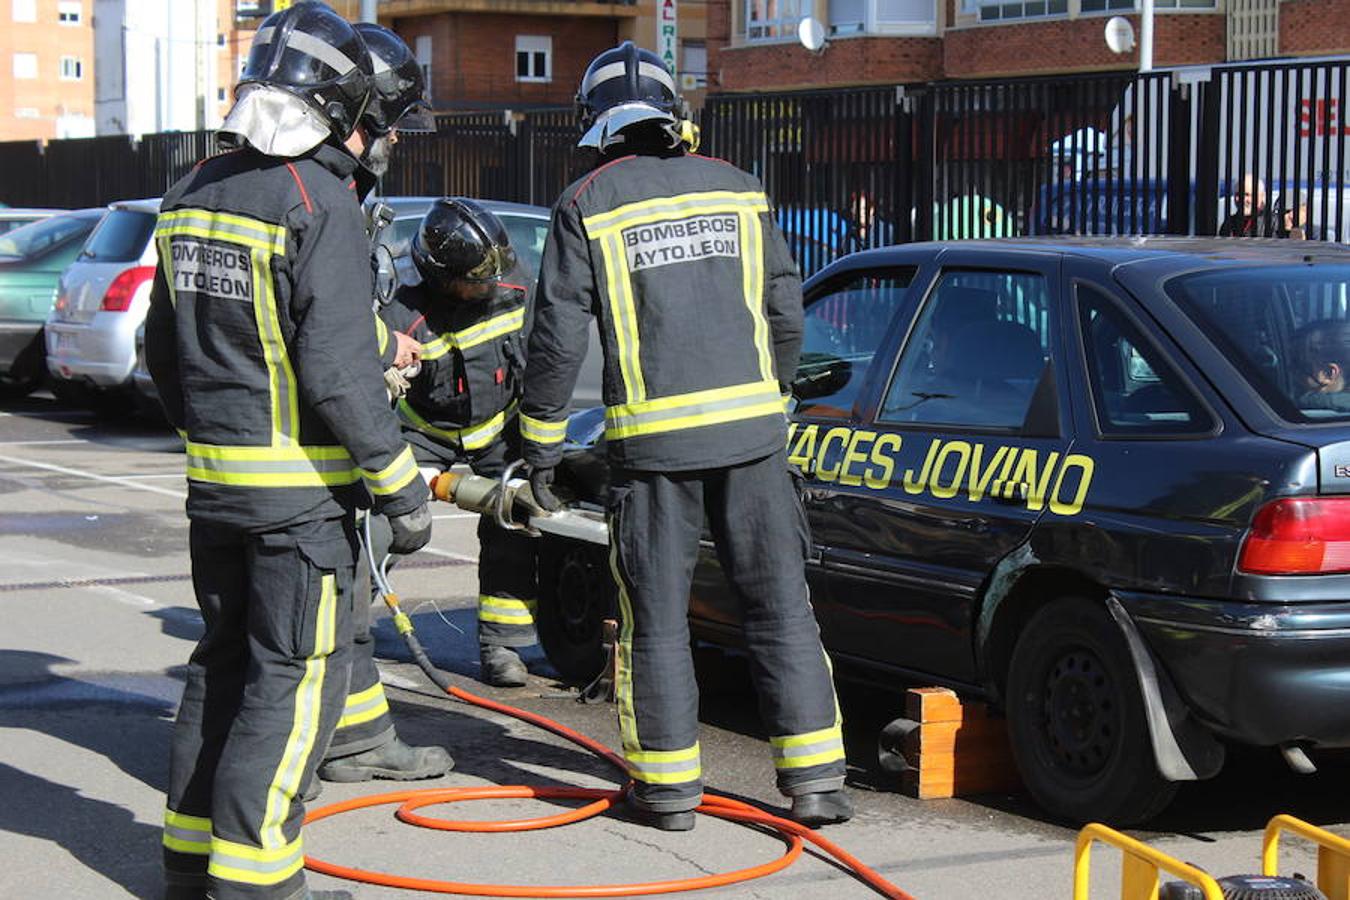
576,595
1077,721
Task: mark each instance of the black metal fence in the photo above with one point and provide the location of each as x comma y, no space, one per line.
1182,152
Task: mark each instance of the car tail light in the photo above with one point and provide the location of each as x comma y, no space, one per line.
124,287
1303,536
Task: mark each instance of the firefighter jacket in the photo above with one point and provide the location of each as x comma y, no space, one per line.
260,342
699,307
473,363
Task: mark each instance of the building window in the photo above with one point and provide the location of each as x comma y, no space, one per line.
1024,9
422,52
25,10
220,94
220,39
694,72
767,20
25,65
68,12
534,58
1092,6
72,68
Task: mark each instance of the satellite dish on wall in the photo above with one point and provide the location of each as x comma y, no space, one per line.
1119,34
811,33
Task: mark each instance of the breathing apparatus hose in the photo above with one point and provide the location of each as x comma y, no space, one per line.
793,834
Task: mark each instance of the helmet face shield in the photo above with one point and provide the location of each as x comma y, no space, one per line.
417,120
274,122
398,85
621,87
609,124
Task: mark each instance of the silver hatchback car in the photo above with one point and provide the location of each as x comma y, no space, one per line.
102,299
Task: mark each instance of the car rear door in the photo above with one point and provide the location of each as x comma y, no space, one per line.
966,447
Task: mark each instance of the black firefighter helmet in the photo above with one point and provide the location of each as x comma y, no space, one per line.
311,52
622,87
461,240
398,88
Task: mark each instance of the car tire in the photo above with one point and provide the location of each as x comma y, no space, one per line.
72,393
576,595
1076,718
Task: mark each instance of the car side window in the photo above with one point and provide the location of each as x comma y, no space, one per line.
1135,391
977,354
843,329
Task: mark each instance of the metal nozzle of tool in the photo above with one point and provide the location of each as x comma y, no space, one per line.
509,501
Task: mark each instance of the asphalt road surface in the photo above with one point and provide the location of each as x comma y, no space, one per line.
99,618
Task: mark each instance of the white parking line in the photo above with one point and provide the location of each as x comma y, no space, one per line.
463,515
448,555
80,473
122,596
40,443
134,476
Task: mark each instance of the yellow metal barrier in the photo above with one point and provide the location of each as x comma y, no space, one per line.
1139,868
1333,854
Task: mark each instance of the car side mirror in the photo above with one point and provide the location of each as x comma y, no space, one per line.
821,378
386,274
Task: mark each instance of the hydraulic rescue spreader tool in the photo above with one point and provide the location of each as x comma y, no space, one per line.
509,502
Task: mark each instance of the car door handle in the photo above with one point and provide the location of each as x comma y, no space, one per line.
1014,493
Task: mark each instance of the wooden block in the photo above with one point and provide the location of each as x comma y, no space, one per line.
957,749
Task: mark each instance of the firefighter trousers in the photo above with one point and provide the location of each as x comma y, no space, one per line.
264,691
759,526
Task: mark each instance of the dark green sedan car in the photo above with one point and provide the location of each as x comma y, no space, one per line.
32,259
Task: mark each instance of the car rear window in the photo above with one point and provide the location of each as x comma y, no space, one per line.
1286,329
36,238
120,237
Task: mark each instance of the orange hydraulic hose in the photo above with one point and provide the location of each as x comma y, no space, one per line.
792,833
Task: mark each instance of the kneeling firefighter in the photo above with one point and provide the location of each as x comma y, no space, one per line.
471,314
700,312
365,745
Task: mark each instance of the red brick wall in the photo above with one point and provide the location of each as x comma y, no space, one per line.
1076,45
474,55
1311,27
845,61
719,38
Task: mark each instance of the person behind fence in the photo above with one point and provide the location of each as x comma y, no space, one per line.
1324,352
700,313
260,342
1251,217
365,744
471,314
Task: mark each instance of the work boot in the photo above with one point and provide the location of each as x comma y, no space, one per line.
824,808
682,820
501,666
393,759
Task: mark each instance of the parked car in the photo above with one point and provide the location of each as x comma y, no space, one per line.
12,217
32,259
103,296
1102,483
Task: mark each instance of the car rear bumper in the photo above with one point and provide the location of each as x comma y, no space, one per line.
1261,673
99,351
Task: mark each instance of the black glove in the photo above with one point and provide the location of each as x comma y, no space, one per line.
411,530
541,486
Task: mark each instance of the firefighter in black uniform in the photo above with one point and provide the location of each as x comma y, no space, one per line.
261,344
365,745
471,314
701,321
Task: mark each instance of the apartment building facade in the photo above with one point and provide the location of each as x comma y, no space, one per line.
46,69
753,45
532,53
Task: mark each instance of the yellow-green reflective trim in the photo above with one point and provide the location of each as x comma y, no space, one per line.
623,664
166,260
693,410
251,865
222,226
664,766
304,732
542,432
381,334
472,437
659,208
364,706
752,278
187,834
623,316
270,466
395,476
505,610
280,374
497,326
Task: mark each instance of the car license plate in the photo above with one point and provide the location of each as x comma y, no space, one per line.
66,342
